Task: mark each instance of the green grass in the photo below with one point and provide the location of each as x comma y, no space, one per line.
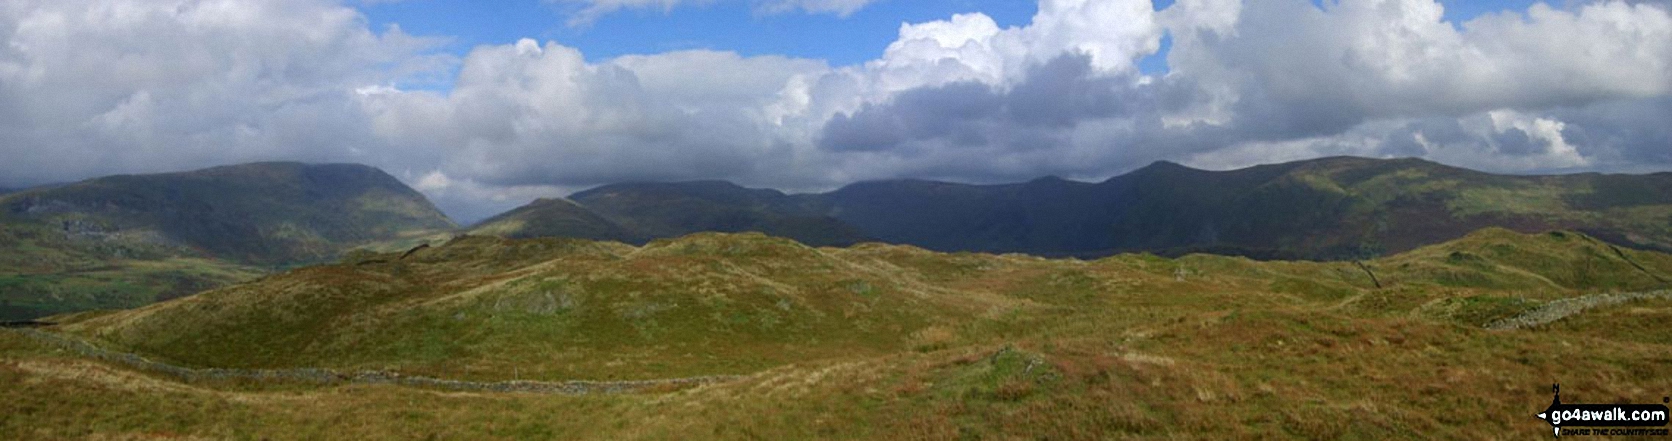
127,241
1522,199
117,285
875,342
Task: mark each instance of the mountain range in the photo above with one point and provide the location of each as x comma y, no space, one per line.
129,240
1330,208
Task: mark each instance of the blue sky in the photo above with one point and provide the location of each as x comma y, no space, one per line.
723,25
732,25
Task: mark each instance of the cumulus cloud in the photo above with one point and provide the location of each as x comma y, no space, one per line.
104,86
1276,81
1390,58
1111,34
94,87
528,113
1390,78
760,120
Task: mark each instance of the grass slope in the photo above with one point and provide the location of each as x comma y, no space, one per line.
879,341
553,218
554,309
261,213
121,284
125,241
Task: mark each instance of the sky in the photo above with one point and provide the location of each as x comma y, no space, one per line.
483,106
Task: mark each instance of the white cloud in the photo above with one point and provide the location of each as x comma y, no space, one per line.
1385,58
1502,141
706,114
1389,77
971,47
526,114
93,87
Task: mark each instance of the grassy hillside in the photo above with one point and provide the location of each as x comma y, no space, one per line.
46,270
553,218
263,213
1399,205
125,241
118,284
554,308
879,341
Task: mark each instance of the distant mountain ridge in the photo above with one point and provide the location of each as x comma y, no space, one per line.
262,213
128,240
639,212
1328,208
